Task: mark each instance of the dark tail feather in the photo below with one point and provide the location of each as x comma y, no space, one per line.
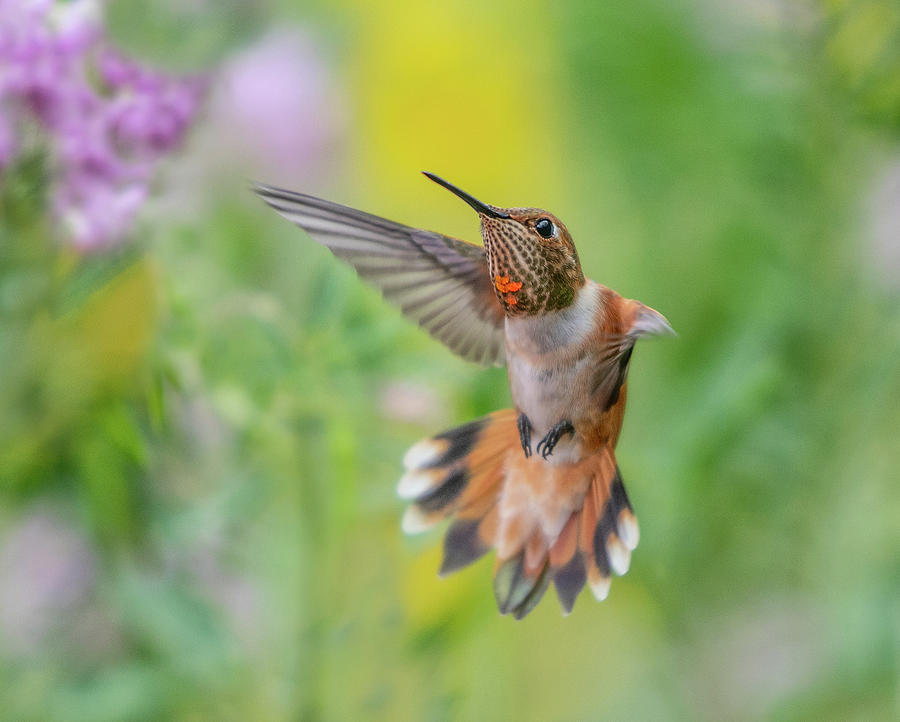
609,530
567,564
459,472
518,589
463,544
597,539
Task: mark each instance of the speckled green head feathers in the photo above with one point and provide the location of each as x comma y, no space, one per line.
533,263
532,260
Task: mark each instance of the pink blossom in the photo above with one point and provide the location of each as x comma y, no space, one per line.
47,569
94,217
104,138
280,99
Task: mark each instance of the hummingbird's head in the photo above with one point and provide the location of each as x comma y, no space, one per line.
533,263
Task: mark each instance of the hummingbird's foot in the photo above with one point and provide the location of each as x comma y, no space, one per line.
524,434
548,443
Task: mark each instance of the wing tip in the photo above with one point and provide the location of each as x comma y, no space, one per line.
274,194
650,322
261,189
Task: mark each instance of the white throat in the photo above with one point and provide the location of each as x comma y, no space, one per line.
556,329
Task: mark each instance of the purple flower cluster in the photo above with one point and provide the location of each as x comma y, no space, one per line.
105,120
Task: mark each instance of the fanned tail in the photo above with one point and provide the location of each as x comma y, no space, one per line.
596,540
570,524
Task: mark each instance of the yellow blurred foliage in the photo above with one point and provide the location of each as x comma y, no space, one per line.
431,82
428,600
105,340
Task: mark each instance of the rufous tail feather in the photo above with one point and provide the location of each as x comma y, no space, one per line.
569,524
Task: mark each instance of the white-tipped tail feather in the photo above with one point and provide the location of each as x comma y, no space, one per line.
619,555
415,521
416,483
423,453
629,531
600,588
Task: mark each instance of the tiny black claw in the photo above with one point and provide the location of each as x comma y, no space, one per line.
548,443
525,434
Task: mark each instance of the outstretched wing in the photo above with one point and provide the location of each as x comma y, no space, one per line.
442,283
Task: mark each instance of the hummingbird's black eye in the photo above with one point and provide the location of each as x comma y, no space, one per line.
545,227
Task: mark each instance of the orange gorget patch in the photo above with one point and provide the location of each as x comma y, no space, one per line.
504,285
507,287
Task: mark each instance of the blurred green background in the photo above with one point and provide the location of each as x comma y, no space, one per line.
201,429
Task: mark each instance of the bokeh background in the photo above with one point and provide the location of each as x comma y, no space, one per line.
202,413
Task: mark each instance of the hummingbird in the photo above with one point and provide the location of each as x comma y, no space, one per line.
537,483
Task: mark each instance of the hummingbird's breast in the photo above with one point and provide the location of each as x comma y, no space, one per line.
552,366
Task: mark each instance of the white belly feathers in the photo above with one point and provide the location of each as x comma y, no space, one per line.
544,363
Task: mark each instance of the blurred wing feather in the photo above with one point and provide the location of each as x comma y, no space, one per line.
442,283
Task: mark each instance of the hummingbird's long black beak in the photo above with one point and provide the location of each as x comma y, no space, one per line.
474,202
